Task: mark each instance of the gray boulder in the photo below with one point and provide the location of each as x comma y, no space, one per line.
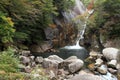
75,66
72,64
111,53
24,60
47,63
52,61
55,57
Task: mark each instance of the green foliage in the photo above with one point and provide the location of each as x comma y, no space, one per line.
30,17
112,7
12,76
64,5
6,28
106,18
86,2
8,62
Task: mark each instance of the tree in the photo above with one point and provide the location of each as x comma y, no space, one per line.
6,29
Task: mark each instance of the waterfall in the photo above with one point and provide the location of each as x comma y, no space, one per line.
81,33
70,15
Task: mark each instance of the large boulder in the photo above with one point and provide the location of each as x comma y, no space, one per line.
72,64
111,53
55,57
75,66
52,61
47,63
24,60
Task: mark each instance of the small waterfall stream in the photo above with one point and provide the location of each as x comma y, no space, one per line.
79,9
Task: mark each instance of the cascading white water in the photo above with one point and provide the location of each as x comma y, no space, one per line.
79,9
81,33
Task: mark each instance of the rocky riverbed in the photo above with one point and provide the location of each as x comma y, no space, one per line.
97,66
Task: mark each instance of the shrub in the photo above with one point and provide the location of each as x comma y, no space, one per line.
8,61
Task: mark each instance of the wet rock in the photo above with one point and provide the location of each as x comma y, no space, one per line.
113,71
108,76
111,53
39,60
75,66
112,63
98,62
102,69
24,60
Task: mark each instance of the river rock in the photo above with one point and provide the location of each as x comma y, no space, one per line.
33,64
25,53
112,63
98,62
32,58
111,70
48,63
93,54
102,69
75,66
111,53
91,67
39,59
55,57
27,69
24,60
